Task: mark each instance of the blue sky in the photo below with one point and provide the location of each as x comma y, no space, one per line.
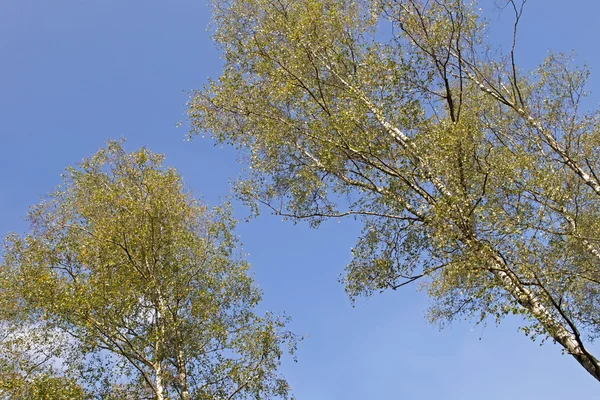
76,73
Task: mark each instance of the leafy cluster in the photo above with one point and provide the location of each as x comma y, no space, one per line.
478,179
143,284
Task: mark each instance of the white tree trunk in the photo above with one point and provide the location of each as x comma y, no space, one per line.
555,328
185,394
158,382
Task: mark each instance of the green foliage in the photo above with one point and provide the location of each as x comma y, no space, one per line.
145,285
470,175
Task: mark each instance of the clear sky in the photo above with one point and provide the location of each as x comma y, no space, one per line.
75,73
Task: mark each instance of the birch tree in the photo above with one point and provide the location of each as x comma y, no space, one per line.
147,286
477,179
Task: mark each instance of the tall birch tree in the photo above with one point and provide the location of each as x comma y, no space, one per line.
471,176
146,286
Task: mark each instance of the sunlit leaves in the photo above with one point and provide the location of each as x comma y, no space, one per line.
476,178
146,283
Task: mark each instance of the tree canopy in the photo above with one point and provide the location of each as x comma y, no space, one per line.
478,179
126,287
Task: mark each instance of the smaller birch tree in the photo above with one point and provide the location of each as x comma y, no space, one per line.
146,285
